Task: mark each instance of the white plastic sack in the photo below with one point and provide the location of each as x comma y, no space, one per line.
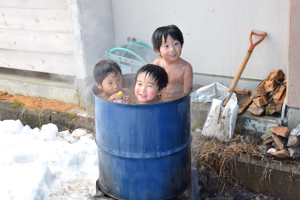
209,92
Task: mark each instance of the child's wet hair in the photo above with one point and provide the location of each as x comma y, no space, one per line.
164,31
103,68
156,72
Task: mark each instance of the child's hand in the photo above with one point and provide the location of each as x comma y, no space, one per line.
127,99
113,97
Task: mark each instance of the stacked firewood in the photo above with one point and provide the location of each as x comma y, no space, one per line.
269,96
282,142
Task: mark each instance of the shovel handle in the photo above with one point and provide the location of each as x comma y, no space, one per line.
243,65
259,33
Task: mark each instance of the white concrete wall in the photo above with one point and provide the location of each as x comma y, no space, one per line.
96,30
216,32
93,34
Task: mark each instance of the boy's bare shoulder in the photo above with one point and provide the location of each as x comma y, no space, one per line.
102,95
186,64
158,61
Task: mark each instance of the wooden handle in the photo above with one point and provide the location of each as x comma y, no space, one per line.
240,71
243,65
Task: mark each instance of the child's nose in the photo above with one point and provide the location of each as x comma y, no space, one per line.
172,48
115,85
143,88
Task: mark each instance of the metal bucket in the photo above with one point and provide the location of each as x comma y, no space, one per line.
144,151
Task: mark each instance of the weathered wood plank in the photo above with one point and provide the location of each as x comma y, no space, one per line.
245,105
35,19
37,41
40,62
34,4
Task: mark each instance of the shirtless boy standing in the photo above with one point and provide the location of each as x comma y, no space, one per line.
167,43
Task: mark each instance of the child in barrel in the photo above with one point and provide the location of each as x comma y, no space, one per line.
150,83
167,43
108,77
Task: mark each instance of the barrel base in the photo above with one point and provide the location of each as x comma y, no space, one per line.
152,178
100,194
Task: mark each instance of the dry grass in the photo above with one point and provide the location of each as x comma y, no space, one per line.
222,155
218,159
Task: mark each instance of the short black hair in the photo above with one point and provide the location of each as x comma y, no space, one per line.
156,72
103,68
164,31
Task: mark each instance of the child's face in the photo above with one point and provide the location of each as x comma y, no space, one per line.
112,83
170,50
146,89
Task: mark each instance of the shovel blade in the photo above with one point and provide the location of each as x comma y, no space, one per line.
211,124
220,122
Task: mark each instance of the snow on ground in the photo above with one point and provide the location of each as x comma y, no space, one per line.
46,164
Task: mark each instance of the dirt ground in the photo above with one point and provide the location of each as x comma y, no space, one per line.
214,178
37,103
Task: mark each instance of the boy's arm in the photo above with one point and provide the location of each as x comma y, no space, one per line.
187,79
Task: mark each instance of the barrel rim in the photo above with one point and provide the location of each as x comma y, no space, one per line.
128,104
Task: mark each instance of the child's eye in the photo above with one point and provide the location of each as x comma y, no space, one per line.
166,46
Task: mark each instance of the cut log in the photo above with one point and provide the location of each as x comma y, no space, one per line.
256,110
271,108
262,93
279,93
268,140
271,84
281,154
280,141
272,105
240,91
254,93
259,102
281,130
280,103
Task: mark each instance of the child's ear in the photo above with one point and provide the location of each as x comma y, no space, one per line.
157,52
162,91
98,85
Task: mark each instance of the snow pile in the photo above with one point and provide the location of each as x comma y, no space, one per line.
46,164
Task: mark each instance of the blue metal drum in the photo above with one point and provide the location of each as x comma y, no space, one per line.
144,151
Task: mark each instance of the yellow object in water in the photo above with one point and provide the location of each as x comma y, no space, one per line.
120,95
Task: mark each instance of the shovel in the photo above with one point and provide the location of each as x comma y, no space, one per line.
221,119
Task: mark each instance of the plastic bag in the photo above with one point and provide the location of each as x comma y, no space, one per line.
209,92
